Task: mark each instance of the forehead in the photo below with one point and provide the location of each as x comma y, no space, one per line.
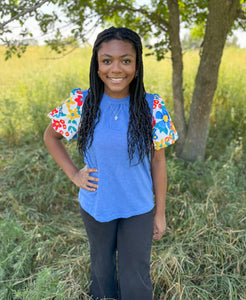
116,48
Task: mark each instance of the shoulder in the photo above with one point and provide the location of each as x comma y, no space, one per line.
150,99
164,132
79,91
152,95
73,104
78,95
155,101
66,118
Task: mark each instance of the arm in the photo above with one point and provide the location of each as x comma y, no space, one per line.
56,148
159,177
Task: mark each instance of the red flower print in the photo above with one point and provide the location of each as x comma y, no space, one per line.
54,111
156,102
56,124
62,121
67,134
64,126
78,100
154,122
61,132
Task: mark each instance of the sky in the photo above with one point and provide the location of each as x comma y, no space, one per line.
38,35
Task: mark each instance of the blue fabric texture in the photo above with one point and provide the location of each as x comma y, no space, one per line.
124,190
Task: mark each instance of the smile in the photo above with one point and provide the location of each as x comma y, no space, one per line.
116,79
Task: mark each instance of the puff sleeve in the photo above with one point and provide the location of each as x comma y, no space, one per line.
65,119
164,132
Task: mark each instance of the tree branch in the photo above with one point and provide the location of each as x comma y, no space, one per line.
241,25
155,18
241,14
26,11
63,55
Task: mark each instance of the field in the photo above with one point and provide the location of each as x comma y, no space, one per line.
44,250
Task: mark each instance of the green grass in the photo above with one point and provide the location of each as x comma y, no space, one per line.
44,250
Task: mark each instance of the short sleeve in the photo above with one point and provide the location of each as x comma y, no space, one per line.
164,132
65,119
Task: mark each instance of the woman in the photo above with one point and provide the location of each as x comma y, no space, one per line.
122,132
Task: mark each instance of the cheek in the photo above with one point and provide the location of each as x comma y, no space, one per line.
101,68
132,71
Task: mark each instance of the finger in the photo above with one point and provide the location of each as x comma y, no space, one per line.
155,229
93,170
93,185
155,236
157,233
93,178
90,189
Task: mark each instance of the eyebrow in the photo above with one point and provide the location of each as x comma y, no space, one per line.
108,55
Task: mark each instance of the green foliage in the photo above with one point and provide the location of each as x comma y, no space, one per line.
198,31
14,48
150,21
44,251
193,12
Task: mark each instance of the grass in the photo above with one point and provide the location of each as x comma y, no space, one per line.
44,250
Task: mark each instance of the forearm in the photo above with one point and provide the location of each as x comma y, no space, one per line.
58,151
159,177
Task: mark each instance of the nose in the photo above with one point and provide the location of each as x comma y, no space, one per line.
115,67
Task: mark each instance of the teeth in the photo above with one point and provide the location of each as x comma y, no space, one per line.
116,79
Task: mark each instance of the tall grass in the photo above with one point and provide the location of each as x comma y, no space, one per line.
44,250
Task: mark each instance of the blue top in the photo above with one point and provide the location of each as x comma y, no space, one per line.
124,189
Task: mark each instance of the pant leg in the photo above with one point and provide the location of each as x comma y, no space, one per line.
102,240
134,241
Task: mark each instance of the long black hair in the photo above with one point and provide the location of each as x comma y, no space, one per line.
139,134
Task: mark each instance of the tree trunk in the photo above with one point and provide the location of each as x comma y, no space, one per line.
177,72
221,15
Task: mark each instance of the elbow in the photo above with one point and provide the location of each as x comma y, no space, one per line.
45,136
48,135
51,136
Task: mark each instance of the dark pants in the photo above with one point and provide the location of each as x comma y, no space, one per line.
132,237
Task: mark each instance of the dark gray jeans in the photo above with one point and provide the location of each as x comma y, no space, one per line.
132,238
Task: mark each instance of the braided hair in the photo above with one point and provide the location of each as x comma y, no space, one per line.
139,134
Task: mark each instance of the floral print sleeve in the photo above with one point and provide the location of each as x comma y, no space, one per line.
164,132
66,118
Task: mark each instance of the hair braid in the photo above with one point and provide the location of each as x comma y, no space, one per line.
139,134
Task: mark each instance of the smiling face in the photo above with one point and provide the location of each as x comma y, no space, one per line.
116,67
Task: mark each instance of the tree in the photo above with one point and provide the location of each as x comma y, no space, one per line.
215,18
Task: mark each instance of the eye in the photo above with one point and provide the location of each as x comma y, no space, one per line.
126,61
106,61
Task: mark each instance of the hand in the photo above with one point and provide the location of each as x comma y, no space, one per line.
159,226
83,179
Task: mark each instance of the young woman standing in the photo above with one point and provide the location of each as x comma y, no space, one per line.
121,132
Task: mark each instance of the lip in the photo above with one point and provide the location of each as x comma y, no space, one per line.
116,79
